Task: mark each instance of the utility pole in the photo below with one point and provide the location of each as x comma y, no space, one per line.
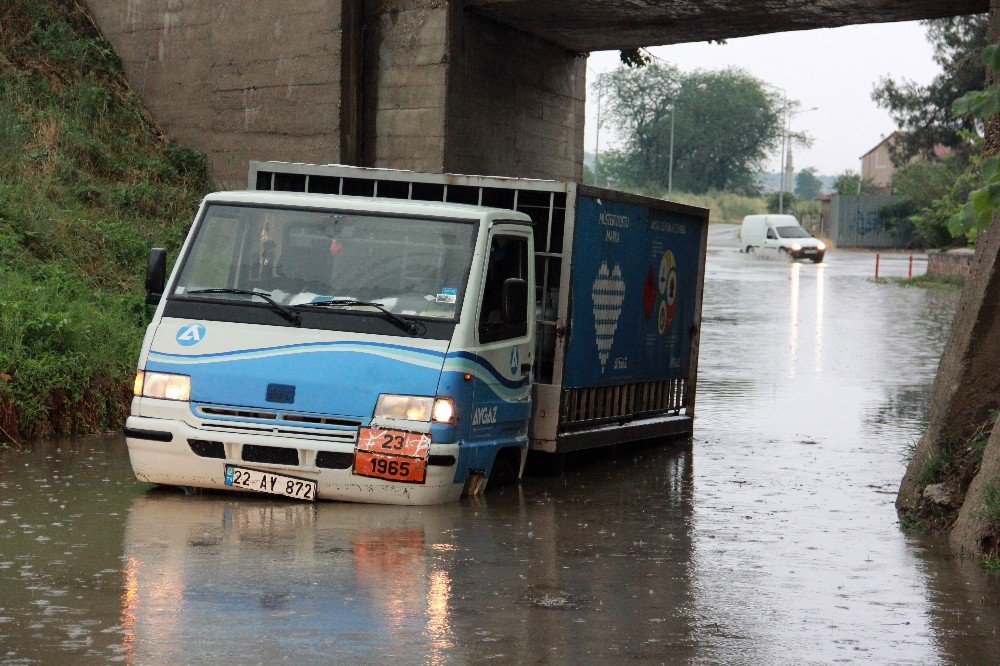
784,142
670,168
597,138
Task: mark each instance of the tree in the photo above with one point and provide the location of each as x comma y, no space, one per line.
850,182
934,191
777,203
924,112
807,185
725,126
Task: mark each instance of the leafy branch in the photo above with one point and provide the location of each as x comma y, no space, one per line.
977,213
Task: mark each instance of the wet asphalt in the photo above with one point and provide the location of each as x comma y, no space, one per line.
770,538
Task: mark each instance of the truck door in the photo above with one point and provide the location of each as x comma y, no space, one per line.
505,338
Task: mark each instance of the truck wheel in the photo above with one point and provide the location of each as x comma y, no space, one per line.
783,251
749,249
818,260
505,469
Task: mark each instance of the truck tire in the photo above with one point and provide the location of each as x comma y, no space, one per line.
749,249
505,469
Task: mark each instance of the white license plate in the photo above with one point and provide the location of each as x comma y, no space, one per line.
266,482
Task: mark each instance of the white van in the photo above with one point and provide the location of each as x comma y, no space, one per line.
779,234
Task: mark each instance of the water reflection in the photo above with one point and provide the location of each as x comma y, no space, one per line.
818,341
216,573
793,310
433,584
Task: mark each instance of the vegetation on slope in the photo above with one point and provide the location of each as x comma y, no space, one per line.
87,184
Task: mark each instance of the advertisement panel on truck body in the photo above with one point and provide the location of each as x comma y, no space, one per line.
388,336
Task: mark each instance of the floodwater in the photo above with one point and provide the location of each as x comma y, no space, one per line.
771,538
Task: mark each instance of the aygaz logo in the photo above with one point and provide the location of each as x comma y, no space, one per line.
190,334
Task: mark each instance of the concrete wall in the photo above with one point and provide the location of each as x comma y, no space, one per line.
953,262
408,84
515,103
405,83
238,79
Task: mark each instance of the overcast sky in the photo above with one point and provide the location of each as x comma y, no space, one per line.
834,70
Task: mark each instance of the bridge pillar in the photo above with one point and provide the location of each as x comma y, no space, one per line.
413,84
965,396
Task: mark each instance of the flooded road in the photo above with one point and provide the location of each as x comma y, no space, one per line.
771,538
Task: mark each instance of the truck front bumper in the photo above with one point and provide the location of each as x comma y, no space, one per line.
160,451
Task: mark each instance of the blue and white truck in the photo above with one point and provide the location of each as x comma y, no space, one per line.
387,336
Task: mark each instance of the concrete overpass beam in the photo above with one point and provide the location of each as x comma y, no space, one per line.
237,80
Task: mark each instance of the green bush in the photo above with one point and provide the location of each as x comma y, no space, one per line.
87,184
934,192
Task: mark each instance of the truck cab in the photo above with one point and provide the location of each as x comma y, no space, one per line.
337,347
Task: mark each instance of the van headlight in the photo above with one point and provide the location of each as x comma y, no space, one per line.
162,385
415,408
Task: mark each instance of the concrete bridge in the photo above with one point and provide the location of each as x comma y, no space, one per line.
498,87
475,86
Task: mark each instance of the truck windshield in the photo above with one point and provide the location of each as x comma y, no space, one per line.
793,232
412,267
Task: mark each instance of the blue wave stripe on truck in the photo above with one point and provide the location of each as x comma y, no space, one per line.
292,349
459,362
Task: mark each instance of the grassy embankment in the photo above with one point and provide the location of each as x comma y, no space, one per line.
87,184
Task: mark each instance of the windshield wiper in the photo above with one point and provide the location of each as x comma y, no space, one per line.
407,325
285,312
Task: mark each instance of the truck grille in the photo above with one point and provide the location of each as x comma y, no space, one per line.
242,413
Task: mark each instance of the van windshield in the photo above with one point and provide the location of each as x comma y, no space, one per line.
412,267
793,232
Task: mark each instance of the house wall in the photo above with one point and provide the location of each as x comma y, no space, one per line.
877,166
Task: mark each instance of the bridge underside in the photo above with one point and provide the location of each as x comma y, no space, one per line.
475,86
601,25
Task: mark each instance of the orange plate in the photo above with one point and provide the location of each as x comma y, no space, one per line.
394,442
393,468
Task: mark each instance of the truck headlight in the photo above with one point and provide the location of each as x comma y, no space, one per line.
415,408
820,245
162,385
796,247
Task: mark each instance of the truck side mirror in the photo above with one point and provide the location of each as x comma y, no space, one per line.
515,302
156,275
